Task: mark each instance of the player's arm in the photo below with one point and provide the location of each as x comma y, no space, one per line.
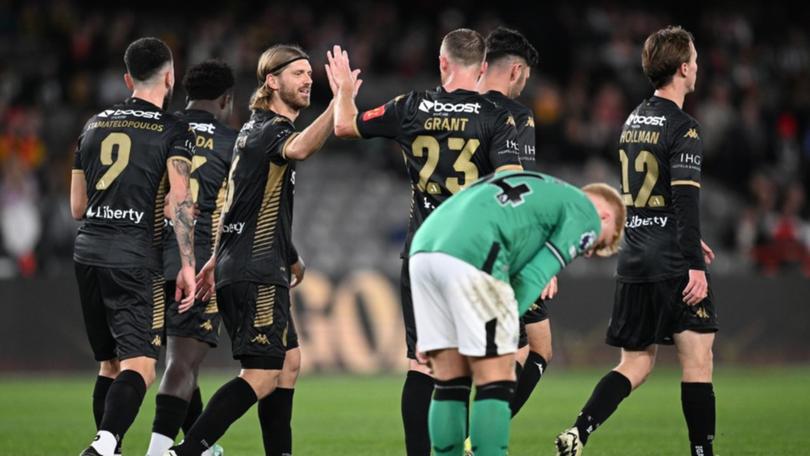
530,281
78,194
179,171
503,149
685,169
297,266
78,187
574,235
300,146
205,280
344,84
526,139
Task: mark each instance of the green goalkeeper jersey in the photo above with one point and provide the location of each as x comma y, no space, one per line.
521,227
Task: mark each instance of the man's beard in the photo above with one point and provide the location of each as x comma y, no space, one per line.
292,98
168,99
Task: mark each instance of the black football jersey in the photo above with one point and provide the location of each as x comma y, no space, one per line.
214,143
123,152
524,125
256,240
449,140
659,147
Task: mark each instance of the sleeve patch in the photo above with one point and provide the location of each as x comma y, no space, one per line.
374,113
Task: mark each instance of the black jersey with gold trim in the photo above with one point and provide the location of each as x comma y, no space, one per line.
213,150
449,140
256,231
659,147
524,125
123,153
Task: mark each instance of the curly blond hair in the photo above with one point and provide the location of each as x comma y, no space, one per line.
612,197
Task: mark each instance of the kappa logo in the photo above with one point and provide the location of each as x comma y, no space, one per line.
692,133
261,339
510,121
430,107
702,314
157,342
207,326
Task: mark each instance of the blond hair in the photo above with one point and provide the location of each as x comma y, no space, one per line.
612,197
464,46
272,61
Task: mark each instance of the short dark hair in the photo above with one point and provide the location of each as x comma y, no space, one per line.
465,46
664,51
208,80
503,42
144,57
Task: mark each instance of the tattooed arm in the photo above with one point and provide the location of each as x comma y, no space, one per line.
179,170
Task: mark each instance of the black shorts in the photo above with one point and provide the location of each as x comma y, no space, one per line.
537,312
291,336
256,317
407,309
650,313
122,310
201,322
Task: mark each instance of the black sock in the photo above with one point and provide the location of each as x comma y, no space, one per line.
227,405
275,414
697,400
607,395
527,380
123,402
193,412
416,395
170,411
100,396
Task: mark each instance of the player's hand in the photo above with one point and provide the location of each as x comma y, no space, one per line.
424,359
298,269
697,289
551,289
186,287
339,72
205,280
708,253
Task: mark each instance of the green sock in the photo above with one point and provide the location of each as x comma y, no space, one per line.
490,419
446,422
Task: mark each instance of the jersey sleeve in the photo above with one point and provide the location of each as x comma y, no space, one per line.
503,149
575,234
382,121
276,137
687,155
685,167
182,142
77,157
526,137
535,275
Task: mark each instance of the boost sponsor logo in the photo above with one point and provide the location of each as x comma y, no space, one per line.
429,106
202,127
108,213
130,112
655,121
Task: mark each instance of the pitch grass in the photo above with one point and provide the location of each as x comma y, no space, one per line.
762,411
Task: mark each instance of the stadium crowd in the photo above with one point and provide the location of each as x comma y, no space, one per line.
61,62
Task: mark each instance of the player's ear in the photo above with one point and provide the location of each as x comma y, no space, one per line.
271,81
129,82
443,63
484,67
514,75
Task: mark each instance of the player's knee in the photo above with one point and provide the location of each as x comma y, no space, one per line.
110,368
262,381
179,379
636,370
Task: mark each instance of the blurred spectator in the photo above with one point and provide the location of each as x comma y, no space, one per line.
62,61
